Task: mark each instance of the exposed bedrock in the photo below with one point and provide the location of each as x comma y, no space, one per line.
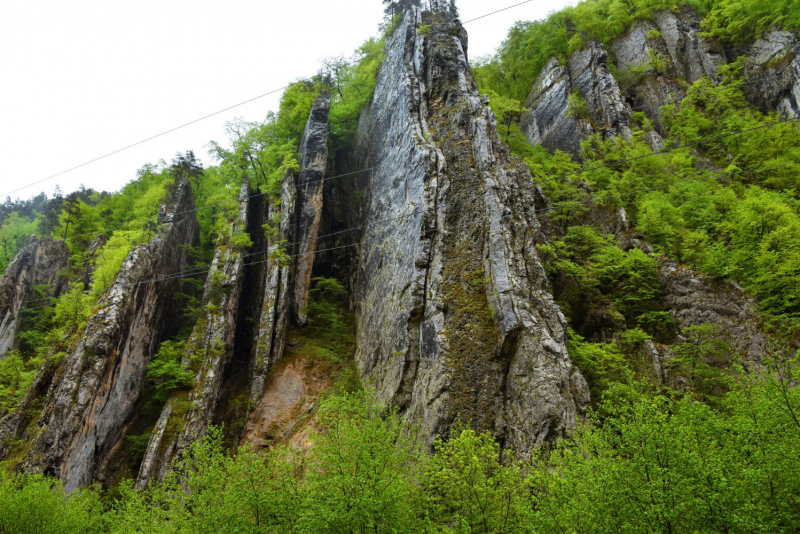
294,223
454,315
555,118
694,299
773,64
212,343
40,263
276,299
94,392
656,58
313,162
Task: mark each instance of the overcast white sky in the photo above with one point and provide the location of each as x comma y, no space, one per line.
84,78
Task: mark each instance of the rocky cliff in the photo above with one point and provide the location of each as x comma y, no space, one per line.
570,102
434,233
773,63
41,263
209,350
313,162
94,391
230,360
454,316
294,223
652,64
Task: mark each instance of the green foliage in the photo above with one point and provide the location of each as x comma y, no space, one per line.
601,364
14,234
331,327
507,109
656,465
739,21
641,462
71,312
472,489
529,46
703,359
576,106
591,271
33,504
16,374
167,374
365,465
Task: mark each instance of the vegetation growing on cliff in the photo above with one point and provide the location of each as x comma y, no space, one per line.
740,222
530,45
642,462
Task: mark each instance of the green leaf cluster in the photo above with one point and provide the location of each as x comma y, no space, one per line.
641,462
529,46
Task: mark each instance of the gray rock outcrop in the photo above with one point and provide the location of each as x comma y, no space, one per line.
694,299
295,223
655,60
454,316
553,119
276,301
773,63
313,162
40,263
95,390
209,349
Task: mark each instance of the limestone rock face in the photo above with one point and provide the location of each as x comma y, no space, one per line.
655,57
276,299
94,392
774,65
295,222
313,162
550,122
694,299
40,263
454,316
212,340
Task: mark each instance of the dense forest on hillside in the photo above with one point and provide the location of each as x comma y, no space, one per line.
719,456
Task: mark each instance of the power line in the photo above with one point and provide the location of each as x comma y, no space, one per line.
496,12
351,63
194,271
296,186
629,159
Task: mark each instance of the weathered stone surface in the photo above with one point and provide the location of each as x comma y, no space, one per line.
694,299
95,390
773,64
655,59
548,121
212,341
313,162
279,276
454,316
296,221
40,263
154,456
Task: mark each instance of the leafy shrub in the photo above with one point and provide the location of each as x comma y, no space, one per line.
167,374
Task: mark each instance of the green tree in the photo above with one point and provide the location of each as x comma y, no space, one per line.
472,489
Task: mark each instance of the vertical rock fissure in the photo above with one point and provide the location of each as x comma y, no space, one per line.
95,393
313,164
